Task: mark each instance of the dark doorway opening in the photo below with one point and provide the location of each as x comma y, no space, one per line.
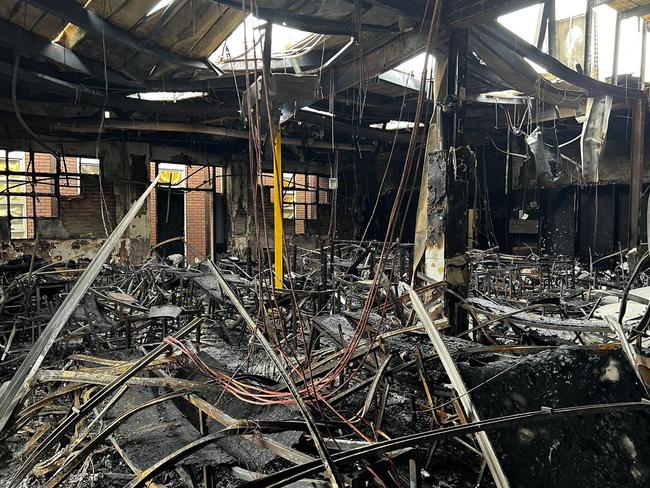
170,220
219,220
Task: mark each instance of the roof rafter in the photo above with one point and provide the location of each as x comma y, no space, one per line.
76,14
309,23
36,46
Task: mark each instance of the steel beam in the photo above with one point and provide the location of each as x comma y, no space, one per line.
460,14
640,11
93,127
617,47
505,39
76,14
543,25
589,34
552,29
644,55
278,208
636,169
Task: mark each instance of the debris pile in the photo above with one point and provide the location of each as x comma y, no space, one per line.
169,375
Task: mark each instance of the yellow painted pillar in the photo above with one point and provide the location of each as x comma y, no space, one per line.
278,200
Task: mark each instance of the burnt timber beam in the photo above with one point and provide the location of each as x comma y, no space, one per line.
76,14
466,14
515,44
39,47
81,95
468,405
640,11
310,23
456,86
364,67
134,125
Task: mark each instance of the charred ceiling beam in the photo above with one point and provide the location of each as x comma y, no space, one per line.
311,23
36,46
519,75
412,8
342,127
224,132
78,94
76,14
505,38
640,11
467,14
227,82
372,64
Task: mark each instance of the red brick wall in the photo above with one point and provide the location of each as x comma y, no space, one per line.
68,187
197,215
80,206
45,206
83,215
152,208
198,209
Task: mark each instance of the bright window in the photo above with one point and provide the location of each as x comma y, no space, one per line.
88,166
13,205
570,27
301,195
172,174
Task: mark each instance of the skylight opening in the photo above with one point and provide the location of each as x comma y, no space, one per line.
246,41
415,65
409,73
395,125
159,6
167,96
63,31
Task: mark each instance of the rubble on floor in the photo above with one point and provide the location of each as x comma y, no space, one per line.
169,375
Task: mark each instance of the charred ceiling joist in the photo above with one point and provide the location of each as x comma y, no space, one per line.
311,23
494,32
39,47
76,14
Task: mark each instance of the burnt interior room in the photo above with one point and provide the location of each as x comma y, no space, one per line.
327,243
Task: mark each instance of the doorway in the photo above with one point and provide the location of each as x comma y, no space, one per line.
170,220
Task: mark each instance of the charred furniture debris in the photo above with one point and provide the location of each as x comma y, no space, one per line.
324,244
